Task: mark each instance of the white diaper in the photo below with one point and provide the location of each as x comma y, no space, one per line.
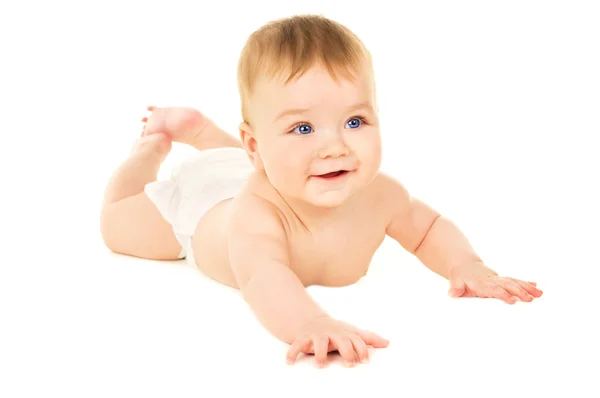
195,186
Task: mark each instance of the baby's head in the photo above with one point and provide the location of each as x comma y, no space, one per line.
309,107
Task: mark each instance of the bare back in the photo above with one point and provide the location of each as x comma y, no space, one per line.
336,254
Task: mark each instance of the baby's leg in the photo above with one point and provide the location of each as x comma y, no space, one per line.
130,223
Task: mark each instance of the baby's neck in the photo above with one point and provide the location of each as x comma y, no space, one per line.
316,218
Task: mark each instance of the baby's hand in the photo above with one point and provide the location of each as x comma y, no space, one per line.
477,280
323,334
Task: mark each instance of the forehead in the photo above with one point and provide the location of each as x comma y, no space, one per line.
315,88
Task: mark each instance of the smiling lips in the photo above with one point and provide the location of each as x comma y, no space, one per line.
333,175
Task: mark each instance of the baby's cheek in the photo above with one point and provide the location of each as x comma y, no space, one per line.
370,159
371,149
279,168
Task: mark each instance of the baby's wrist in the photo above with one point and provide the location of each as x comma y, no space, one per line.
302,324
468,260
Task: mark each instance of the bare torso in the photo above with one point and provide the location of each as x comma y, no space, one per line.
338,254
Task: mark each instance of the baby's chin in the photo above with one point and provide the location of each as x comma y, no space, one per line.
328,199
330,195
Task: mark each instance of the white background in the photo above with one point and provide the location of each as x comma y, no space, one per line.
490,112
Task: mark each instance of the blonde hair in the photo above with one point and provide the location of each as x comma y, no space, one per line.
286,48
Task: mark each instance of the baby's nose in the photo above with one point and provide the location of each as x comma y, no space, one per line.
333,145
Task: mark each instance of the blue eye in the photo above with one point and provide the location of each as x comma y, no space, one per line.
303,129
354,123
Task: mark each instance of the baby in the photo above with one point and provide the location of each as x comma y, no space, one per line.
298,200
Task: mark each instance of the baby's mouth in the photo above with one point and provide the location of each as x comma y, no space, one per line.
333,174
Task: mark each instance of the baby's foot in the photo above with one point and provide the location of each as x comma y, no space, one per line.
158,144
181,124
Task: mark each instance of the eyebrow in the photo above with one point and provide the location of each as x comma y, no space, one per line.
298,111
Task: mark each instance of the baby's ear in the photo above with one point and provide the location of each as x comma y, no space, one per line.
250,145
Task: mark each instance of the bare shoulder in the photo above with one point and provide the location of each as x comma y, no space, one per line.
253,215
390,194
408,217
256,236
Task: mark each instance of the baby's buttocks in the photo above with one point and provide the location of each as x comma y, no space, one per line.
196,186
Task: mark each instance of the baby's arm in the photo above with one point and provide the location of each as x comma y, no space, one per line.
259,259
434,239
442,247
258,250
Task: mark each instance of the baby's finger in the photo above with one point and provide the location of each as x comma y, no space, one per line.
514,289
495,291
530,287
469,293
151,108
362,351
321,349
345,348
372,339
298,346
